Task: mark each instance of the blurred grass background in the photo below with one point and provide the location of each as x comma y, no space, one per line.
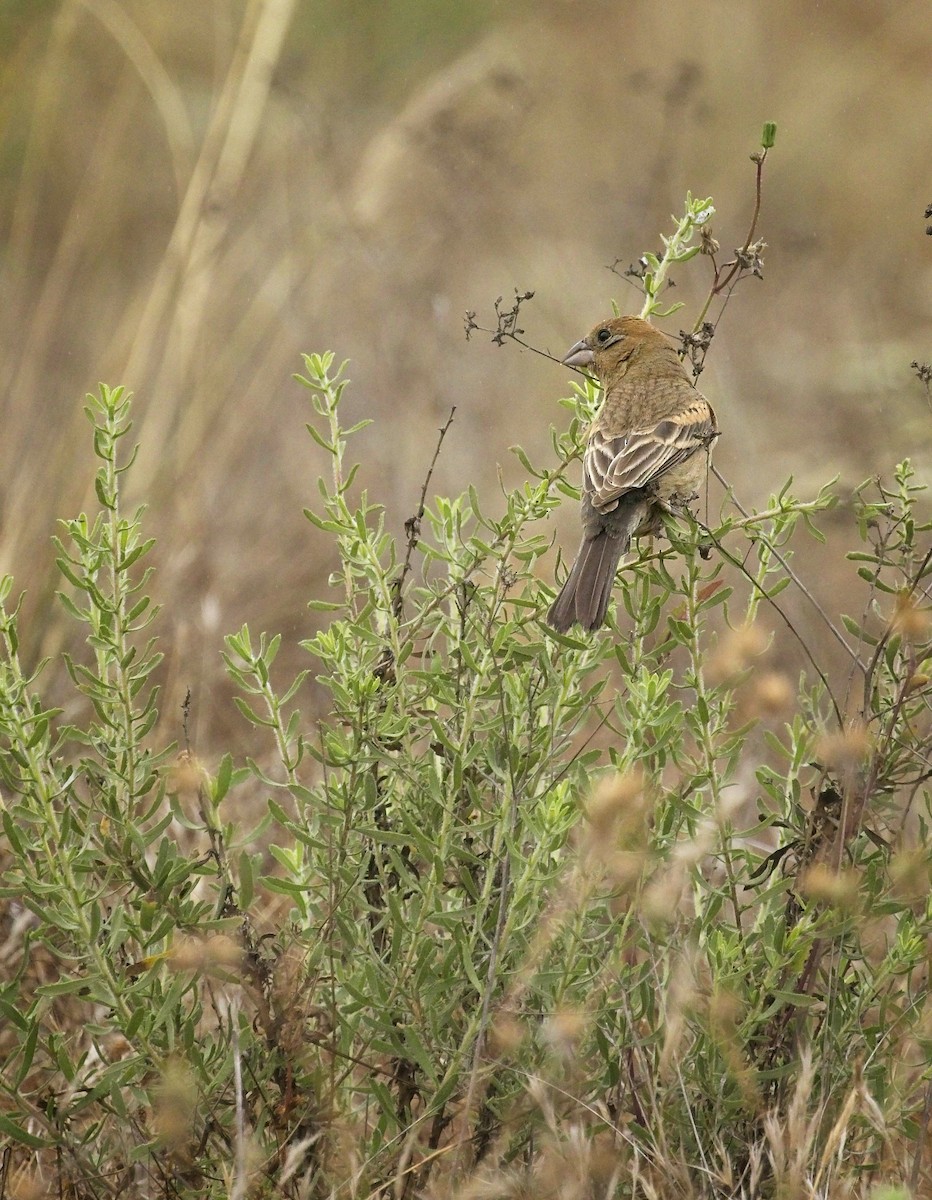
192,195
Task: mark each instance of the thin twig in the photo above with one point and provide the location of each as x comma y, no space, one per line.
920,1142
507,327
882,641
240,1176
413,524
736,562
737,270
718,283
880,548
789,570
527,346
736,266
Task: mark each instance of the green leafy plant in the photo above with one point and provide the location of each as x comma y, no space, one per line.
631,914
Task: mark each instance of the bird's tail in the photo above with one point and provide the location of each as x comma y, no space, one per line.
588,588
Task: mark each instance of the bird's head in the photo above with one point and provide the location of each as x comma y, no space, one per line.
613,345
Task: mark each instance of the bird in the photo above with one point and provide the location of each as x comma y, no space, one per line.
643,456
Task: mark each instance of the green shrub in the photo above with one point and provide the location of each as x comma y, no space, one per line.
631,914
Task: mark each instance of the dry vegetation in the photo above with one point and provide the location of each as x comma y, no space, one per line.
476,921
179,220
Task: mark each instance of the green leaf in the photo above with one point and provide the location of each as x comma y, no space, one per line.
224,777
27,1052
250,715
64,987
247,880
10,1129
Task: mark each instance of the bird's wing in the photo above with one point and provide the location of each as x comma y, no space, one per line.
614,465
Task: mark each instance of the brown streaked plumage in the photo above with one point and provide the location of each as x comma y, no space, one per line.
643,456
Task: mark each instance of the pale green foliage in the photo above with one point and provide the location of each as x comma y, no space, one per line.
678,248
632,913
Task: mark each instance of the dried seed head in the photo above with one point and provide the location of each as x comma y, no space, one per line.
175,1107
616,813
735,652
874,938
772,694
215,956
708,244
507,1033
838,888
625,868
186,776
844,751
724,1010
563,1031
909,620
910,876
661,899
682,999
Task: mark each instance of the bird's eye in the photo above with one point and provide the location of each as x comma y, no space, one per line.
603,336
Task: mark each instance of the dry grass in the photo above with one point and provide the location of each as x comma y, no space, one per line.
187,206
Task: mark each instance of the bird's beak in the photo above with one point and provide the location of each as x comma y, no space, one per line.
579,355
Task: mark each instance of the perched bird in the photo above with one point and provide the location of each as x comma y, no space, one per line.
644,456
